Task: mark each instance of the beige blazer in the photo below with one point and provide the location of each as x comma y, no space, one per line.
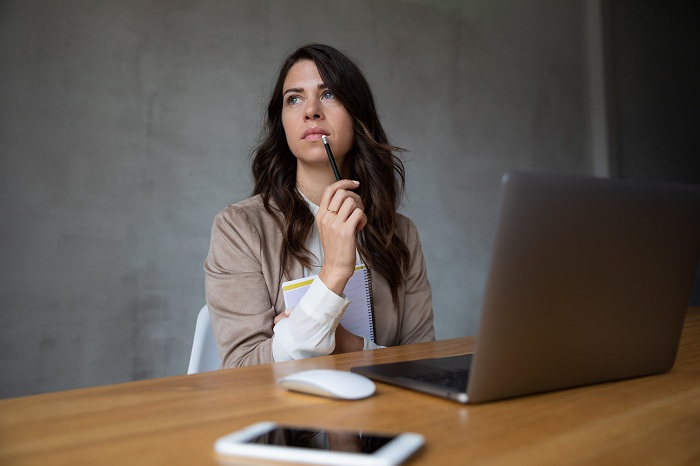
243,285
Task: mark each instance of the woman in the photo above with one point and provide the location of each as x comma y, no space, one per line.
301,222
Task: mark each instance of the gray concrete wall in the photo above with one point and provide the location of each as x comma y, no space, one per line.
126,125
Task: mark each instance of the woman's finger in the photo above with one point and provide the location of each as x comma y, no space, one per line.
341,197
329,193
282,315
359,218
348,207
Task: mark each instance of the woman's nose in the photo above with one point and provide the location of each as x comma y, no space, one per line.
312,110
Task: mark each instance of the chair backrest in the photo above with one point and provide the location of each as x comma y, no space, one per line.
205,354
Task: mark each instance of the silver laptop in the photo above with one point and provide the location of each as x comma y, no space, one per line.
589,282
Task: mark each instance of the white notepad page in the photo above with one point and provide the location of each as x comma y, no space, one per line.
358,317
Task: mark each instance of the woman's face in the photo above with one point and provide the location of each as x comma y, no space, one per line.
309,111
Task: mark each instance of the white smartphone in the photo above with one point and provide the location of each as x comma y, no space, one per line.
311,445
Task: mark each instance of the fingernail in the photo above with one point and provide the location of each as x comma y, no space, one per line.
356,182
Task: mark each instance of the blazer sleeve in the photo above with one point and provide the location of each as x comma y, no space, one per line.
237,293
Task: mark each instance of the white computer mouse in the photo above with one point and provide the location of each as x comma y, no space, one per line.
330,383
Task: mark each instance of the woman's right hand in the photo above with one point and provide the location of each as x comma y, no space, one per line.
340,216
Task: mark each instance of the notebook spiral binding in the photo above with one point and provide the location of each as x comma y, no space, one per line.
370,301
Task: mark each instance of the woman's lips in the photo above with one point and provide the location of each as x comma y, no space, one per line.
314,134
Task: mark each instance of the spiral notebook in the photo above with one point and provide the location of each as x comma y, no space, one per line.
359,315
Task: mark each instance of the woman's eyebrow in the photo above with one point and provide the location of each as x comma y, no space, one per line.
293,89
301,89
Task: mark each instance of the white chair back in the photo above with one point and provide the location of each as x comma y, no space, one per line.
205,354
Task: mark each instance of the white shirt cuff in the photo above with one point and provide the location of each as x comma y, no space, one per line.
310,329
321,304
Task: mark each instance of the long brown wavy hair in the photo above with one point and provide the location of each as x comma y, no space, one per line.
372,159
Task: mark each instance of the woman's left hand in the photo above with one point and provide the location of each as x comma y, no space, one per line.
281,315
346,342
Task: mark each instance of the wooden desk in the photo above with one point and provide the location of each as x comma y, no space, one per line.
175,420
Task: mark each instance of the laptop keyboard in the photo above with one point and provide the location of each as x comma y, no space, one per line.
456,379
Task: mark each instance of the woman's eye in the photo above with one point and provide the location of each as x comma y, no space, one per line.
293,99
327,95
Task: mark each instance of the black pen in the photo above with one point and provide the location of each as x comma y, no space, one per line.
330,157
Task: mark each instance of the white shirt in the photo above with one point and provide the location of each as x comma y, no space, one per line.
310,329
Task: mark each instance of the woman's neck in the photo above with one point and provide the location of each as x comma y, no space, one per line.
312,183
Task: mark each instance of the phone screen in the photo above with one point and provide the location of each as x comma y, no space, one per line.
330,440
